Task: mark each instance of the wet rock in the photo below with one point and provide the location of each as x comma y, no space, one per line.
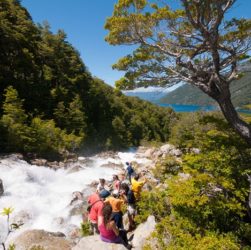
142,232
78,208
39,162
149,152
108,154
95,243
47,240
77,195
75,169
85,160
73,234
15,157
93,184
165,149
21,218
175,152
58,221
54,165
1,188
112,165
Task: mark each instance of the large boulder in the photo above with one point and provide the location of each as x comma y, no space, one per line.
46,240
95,243
1,188
142,232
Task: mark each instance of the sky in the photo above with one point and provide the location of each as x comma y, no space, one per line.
83,21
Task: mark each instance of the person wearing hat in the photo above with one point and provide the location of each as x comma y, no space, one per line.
116,204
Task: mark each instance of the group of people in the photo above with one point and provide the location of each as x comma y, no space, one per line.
106,204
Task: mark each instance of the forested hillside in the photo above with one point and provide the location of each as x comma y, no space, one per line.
188,94
51,104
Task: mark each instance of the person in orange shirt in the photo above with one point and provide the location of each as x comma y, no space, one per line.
116,204
137,186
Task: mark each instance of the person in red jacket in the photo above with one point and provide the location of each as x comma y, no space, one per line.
95,202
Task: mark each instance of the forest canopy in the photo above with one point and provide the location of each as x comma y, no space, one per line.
48,96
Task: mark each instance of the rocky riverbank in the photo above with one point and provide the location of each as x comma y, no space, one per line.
74,204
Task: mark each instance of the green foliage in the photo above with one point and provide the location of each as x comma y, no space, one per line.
7,211
85,229
12,247
48,139
53,94
207,202
153,203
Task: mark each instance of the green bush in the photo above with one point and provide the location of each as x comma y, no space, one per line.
85,229
207,204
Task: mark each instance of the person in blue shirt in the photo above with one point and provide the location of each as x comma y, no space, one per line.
129,171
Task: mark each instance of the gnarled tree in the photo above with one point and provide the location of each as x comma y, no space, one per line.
196,44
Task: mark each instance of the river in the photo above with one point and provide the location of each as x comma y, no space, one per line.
44,194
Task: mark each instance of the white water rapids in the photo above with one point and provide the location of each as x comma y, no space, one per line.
45,194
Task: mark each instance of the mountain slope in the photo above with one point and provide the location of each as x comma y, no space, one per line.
187,94
51,104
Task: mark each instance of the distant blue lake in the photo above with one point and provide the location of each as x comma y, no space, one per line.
187,108
194,108
246,111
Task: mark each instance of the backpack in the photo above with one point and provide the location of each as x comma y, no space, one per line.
90,206
130,169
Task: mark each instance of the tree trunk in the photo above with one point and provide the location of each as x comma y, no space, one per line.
249,198
240,126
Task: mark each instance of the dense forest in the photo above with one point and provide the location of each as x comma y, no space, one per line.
51,104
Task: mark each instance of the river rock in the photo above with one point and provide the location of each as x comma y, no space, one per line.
149,152
112,165
165,149
84,160
54,165
46,240
78,208
175,152
195,150
39,162
21,218
73,234
76,195
142,232
1,188
74,169
95,243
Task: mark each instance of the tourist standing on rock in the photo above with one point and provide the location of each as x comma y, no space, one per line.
137,186
116,182
123,179
129,171
116,204
129,198
102,185
95,202
109,232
